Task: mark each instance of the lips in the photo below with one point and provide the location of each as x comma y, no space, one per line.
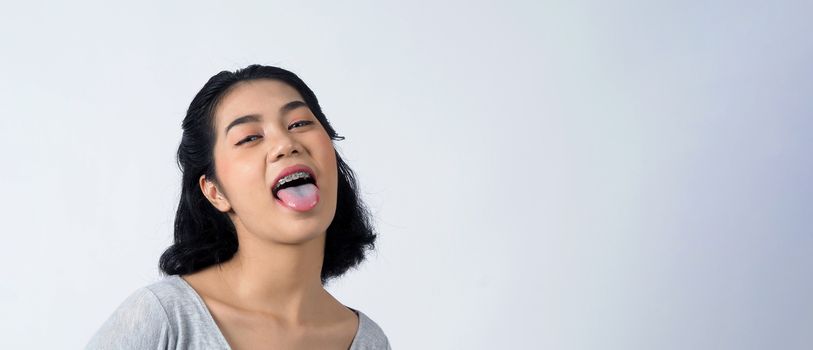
293,169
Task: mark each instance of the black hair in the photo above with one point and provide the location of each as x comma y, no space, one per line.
204,236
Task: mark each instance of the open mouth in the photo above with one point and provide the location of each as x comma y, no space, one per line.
296,179
295,188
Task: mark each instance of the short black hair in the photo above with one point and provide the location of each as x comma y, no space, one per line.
204,236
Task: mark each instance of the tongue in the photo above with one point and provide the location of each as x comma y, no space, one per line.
301,198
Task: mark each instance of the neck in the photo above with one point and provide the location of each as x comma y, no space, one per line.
278,279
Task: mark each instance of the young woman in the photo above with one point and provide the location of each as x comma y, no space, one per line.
269,212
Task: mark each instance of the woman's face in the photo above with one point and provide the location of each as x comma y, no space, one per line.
261,130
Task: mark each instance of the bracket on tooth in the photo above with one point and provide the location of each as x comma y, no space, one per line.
292,177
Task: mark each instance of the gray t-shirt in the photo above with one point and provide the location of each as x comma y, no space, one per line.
169,314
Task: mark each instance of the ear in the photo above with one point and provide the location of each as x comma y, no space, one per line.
213,194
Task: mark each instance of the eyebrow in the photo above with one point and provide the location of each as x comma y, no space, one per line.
255,118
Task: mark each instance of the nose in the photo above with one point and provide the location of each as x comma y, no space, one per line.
285,147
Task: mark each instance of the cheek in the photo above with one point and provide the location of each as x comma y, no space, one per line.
326,152
329,158
239,174
225,167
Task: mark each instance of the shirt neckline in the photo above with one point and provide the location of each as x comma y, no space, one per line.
211,320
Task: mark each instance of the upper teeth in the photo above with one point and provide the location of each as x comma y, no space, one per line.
292,177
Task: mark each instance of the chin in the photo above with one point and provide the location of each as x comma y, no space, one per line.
297,233
295,239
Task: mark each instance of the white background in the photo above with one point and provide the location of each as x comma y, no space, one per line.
546,175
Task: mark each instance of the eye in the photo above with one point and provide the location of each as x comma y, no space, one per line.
248,139
303,122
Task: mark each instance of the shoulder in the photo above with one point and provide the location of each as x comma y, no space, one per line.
167,314
370,335
139,322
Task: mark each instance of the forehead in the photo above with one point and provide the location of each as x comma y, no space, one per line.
254,97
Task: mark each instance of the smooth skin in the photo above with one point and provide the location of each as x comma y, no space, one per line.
269,295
